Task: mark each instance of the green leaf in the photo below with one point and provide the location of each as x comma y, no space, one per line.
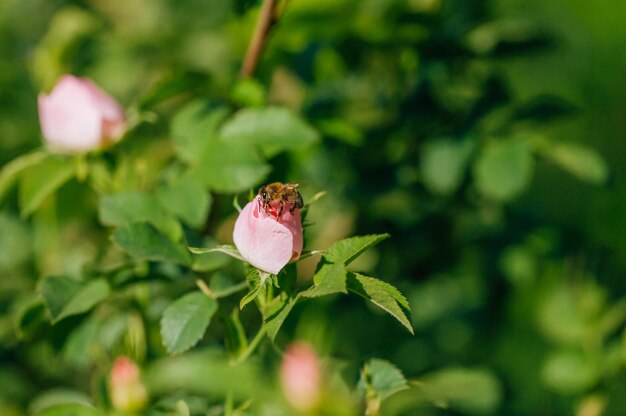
234,334
182,408
277,312
64,297
443,164
341,130
467,390
11,171
56,292
176,83
346,250
383,295
382,378
584,163
58,397
79,348
133,206
30,318
187,200
185,321
230,167
272,129
248,92
144,241
194,127
256,281
41,180
73,409
16,243
208,373
571,371
504,169
328,280
250,296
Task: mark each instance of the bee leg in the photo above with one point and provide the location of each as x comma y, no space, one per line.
282,207
292,209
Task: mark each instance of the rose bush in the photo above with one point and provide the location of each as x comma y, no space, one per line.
434,169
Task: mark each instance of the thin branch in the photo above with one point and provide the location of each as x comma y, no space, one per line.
267,19
205,289
251,347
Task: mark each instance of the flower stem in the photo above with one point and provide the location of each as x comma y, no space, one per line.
205,289
251,346
222,293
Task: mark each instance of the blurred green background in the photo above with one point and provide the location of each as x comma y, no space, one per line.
487,137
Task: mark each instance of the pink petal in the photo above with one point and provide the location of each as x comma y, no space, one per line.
294,224
264,242
113,120
300,376
124,371
77,116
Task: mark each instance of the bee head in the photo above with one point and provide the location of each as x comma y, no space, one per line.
263,194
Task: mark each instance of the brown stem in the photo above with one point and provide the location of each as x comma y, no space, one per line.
267,19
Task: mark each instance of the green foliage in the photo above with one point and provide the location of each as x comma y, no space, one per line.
229,166
277,312
61,402
580,161
443,163
383,295
64,297
346,250
144,241
185,321
187,372
382,379
193,127
186,200
271,129
328,280
70,409
504,168
571,371
234,334
128,207
41,180
11,171
471,391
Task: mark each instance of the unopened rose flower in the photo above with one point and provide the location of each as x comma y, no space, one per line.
127,391
77,116
300,376
265,240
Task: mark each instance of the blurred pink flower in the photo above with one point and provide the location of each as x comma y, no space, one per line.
78,116
127,391
300,376
265,241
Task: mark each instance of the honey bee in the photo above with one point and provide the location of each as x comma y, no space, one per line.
278,196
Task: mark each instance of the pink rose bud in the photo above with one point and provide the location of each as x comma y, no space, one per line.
127,392
300,376
78,116
265,240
